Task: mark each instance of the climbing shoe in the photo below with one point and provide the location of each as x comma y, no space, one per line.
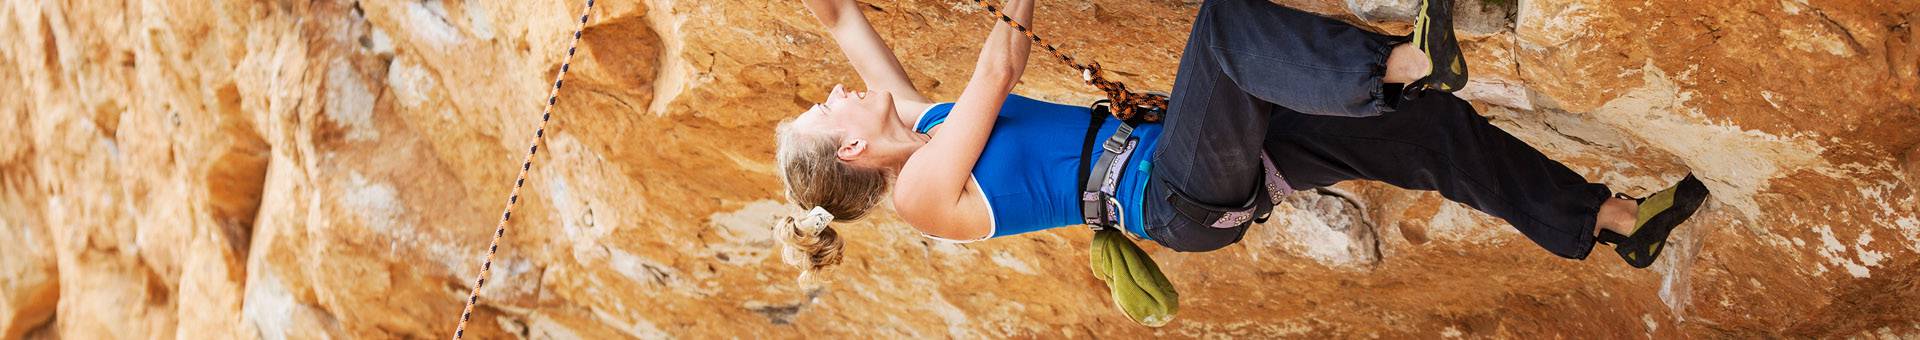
1433,34
1658,215
1137,286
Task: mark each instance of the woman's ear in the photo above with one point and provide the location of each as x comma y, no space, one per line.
851,149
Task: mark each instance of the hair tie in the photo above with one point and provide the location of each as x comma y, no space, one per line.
808,241
816,219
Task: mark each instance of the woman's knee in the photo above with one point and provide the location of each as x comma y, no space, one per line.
1185,236
1186,233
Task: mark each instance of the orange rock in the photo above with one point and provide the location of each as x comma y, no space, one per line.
236,169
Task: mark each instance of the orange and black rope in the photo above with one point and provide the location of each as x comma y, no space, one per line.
1127,103
520,180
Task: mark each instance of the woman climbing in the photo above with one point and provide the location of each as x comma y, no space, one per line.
1265,96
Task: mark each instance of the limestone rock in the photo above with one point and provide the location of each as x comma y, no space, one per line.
1329,226
1472,18
1384,10
334,169
1913,167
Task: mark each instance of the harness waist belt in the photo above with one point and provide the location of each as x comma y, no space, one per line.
1098,207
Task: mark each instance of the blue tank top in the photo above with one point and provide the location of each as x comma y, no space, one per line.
1028,170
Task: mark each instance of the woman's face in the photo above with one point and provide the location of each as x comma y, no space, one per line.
863,116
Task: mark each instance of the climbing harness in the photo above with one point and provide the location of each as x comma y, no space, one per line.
1134,282
1099,209
513,197
1127,105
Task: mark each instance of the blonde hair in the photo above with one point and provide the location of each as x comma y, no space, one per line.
807,242
816,179
815,176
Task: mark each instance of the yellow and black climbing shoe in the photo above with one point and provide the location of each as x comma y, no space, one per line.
1433,34
1659,214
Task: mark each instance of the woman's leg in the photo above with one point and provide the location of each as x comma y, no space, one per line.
1439,142
1243,59
1294,59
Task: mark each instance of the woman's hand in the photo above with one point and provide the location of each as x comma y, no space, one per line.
869,54
1003,58
1019,44
831,11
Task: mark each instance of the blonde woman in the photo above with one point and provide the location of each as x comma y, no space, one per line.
1265,97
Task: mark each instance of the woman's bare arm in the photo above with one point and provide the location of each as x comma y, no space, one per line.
933,184
868,53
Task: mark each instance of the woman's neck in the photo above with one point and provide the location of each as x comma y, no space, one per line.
899,145
898,149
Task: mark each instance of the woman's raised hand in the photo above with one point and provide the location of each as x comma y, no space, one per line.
1006,50
868,53
831,11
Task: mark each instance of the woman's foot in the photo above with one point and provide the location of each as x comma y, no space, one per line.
1433,34
1655,217
1406,64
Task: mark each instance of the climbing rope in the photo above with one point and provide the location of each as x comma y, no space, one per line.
513,198
1126,103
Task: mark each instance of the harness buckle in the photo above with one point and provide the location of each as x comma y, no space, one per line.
1117,142
1099,208
1089,202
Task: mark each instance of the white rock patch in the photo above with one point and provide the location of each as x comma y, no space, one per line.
268,306
377,204
1834,252
638,328
748,232
1868,257
1910,228
349,103
1651,324
1312,237
428,20
1815,39
1457,222
479,21
955,318
412,84
1008,260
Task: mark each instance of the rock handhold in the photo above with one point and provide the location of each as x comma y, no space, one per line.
1912,166
1333,228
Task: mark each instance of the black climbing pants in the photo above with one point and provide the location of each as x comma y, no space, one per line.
1258,77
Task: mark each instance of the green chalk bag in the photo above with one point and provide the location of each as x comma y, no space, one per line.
1136,283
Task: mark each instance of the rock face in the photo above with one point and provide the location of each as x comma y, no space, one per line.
292,169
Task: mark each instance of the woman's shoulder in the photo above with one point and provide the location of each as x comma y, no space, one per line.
966,219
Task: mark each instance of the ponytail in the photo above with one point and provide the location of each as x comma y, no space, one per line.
808,241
